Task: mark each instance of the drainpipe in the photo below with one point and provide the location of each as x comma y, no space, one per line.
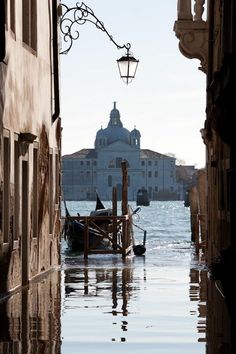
2,32
56,112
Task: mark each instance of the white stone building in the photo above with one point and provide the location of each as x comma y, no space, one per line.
90,170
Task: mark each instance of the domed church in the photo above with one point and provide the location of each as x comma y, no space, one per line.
88,171
114,131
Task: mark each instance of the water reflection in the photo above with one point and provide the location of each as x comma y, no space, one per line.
134,302
109,289
220,329
106,302
198,293
30,320
215,326
113,283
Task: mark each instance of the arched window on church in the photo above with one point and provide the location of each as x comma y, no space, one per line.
118,162
135,142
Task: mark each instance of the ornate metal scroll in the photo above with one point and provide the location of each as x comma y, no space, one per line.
76,16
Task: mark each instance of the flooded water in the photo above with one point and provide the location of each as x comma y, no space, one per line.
149,303
154,303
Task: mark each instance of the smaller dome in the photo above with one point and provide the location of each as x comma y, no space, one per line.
100,132
135,133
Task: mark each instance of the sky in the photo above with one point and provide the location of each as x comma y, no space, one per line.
165,101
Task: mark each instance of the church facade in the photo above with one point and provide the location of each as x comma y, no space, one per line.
88,171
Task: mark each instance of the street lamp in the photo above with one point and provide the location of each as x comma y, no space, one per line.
127,65
72,18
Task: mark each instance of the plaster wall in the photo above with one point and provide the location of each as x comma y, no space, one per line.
26,108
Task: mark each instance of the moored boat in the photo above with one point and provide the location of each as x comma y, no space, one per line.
142,197
75,230
75,236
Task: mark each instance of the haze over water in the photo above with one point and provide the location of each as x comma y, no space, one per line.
152,303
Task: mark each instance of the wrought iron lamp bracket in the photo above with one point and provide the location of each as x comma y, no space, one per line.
72,18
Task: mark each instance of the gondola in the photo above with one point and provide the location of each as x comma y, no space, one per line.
74,230
74,235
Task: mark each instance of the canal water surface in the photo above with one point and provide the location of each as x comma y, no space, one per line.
154,303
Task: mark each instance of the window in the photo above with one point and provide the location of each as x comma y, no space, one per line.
5,10
135,142
6,187
149,174
29,21
16,188
119,160
24,222
87,176
57,178
88,163
94,163
149,163
12,15
81,163
35,193
143,163
109,181
156,189
51,186
156,174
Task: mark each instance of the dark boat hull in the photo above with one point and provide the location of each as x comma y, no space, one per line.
75,237
142,198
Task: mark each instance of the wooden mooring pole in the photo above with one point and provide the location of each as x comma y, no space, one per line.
124,188
126,236
119,225
114,213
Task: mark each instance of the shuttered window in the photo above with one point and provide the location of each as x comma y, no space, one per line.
29,21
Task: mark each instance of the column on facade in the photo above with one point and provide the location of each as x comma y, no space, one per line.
184,10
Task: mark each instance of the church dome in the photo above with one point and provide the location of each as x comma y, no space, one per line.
135,133
114,131
135,138
115,117
100,132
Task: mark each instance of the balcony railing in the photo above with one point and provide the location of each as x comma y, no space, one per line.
192,30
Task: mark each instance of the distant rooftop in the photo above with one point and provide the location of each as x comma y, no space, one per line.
150,154
82,154
92,154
